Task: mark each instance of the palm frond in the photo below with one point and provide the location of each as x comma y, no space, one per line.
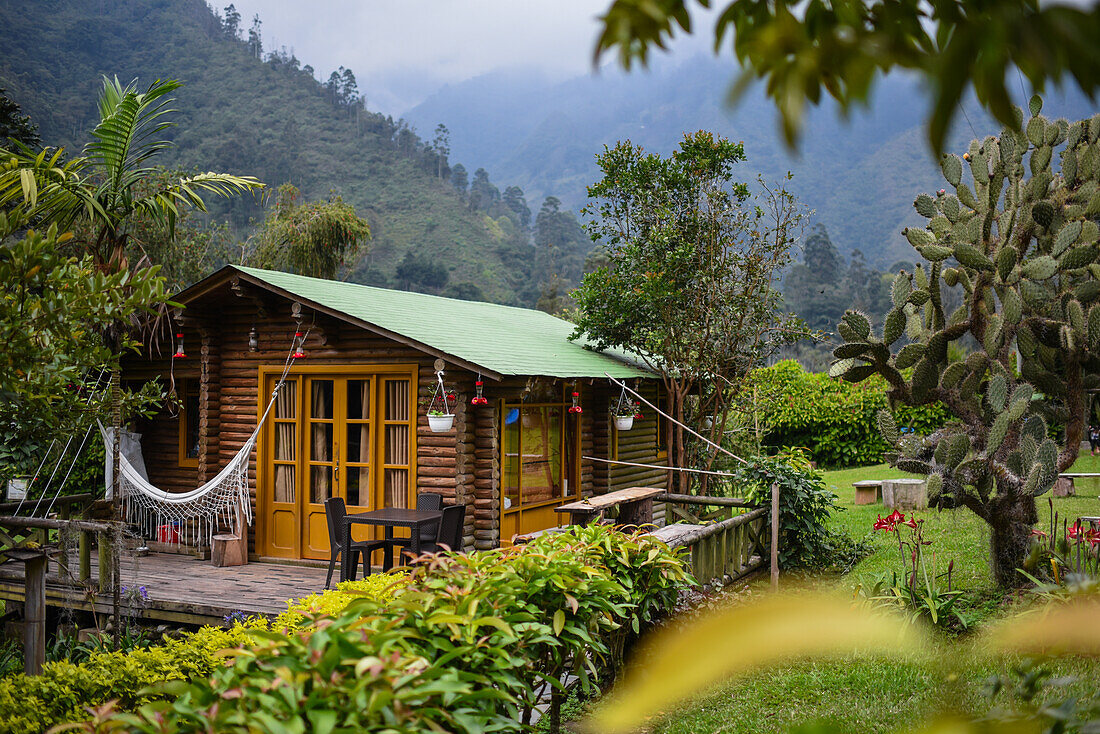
43,186
164,205
126,134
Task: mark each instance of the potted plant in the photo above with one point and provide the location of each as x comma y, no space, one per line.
625,413
440,421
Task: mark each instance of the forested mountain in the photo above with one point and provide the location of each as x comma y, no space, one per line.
859,176
249,110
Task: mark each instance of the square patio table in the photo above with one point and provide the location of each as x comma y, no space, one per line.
388,518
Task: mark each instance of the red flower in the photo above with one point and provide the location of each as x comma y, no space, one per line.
882,524
911,522
639,417
1093,537
1075,532
1037,533
895,517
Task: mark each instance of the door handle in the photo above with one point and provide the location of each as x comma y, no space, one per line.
336,462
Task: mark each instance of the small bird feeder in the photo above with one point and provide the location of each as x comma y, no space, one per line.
179,347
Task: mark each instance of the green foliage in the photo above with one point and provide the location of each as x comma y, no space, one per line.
380,587
32,704
836,420
51,316
841,49
1024,248
692,260
464,644
805,505
14,125
312,238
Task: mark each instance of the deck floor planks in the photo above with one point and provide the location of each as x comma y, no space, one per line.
184,588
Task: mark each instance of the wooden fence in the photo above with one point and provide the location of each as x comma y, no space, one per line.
724,539
25,540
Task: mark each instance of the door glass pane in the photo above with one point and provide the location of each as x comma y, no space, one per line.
510,474
320,443
284,441
320,483
286,402
284,483
320,404
358,399
397,487
397,444
358,449
397,400
358,486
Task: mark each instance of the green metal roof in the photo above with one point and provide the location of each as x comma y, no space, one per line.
498,339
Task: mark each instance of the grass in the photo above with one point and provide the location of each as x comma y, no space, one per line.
862,694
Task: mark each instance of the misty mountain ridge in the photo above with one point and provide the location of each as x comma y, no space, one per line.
860,175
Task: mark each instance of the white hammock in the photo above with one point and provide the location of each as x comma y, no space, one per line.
194,516
188,517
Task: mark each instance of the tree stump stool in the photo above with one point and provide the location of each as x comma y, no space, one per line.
1063,487
905,494
868,491
229,550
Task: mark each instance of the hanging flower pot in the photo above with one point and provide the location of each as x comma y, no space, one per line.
624,422
441,422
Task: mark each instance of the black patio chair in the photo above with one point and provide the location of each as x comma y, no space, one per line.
450,531
335,512
425,502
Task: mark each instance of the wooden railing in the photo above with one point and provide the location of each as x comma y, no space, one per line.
24,540
724,540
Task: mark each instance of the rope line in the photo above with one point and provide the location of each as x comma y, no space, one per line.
706,440
661,468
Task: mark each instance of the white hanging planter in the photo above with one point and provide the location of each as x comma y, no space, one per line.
441,423
624,422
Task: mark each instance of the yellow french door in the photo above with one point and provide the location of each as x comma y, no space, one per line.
333,435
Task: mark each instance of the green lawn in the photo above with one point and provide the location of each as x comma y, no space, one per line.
884,695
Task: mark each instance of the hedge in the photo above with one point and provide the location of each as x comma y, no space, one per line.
833,419
463,644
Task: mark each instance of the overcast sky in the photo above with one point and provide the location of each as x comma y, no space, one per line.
403,50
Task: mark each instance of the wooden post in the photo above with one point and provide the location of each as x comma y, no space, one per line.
85,550
775,537
34,614
105,573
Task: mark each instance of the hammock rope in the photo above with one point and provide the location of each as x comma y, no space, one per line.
194,516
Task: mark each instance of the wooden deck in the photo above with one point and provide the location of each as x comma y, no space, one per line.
182,589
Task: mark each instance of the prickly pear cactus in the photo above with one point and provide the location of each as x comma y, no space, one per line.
1020,239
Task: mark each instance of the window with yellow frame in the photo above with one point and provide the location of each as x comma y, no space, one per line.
539,454
189,423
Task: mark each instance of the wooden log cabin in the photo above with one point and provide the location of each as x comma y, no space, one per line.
351,420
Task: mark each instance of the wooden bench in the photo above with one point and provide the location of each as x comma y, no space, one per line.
635,506
1064,487
868,491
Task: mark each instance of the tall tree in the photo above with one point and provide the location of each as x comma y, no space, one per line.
231,21
821,256
693,259
517,204
255,38
840,48
441,146
1024,252
459,179
314,238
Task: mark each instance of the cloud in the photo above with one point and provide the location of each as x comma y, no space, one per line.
402,50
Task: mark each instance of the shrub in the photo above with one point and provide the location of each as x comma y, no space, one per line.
330,602
464,644
805,540
32,704
832,418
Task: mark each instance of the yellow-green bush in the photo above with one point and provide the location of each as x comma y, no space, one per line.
32,704
330,602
